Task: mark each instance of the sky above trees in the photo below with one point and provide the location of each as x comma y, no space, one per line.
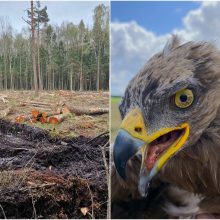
58,11
158,17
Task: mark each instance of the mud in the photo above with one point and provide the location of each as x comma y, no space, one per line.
46,177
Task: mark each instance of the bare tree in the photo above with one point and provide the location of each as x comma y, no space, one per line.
33,48
41,17
82,30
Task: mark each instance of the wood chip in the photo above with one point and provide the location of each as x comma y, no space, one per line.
84,210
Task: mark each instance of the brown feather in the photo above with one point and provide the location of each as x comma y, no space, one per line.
196,167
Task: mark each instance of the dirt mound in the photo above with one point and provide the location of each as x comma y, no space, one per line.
45,177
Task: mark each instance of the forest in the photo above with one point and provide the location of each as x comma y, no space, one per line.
54,114
51,57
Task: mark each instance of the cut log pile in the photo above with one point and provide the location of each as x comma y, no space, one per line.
44,117
58,116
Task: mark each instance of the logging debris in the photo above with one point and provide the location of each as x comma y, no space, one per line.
21,104
67,176
58,116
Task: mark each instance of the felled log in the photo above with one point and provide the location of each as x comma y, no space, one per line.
65,110
4,99
35,104
20,118
43,120
6,112
32,120
47,115
35,113
56,119
90,111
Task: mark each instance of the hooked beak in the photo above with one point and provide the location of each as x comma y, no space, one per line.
156,149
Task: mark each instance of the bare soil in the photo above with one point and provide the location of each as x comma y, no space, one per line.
51,177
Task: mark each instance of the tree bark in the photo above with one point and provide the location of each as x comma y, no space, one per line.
81,67
86,111
5,71
38,55
71,80
10,73
98,73
53,79
21,83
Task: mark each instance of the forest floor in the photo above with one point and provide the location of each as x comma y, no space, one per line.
57,172
18,103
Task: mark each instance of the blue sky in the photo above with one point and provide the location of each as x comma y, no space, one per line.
159,17
141,29
58,11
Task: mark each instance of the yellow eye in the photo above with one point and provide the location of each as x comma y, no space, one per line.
184,98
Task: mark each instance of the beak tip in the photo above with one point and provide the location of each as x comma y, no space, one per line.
124,148
144,183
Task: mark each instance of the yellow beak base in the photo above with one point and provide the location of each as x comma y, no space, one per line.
135,138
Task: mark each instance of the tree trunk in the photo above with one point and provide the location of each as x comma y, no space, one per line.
38,55
74,81
26,74
71,80
81,67
33,49
10,73
21,84
98,72
0,79
46,78
5,72
53,79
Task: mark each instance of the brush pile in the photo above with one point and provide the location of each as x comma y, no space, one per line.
46,177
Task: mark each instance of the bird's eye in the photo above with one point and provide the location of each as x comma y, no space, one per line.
184,98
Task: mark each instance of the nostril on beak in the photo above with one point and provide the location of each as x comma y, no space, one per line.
138,129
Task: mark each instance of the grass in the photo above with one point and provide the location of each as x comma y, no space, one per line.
115,99
115,116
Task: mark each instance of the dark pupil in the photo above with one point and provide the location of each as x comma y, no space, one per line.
183,98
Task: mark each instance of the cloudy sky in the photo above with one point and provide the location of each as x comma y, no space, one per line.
58,11
140,29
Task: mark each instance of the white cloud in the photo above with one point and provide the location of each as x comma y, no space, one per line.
202,24
132,45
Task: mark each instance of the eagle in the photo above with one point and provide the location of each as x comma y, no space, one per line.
170,132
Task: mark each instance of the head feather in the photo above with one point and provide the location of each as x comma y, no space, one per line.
171,44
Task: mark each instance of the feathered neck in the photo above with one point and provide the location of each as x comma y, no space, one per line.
197,168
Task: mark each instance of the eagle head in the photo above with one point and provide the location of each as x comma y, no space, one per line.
167,106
